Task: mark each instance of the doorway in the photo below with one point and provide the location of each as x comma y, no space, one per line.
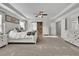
39,30
58,28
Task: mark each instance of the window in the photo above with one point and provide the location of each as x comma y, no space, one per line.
22,24
1,23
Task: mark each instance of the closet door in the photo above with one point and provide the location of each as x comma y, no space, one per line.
58,28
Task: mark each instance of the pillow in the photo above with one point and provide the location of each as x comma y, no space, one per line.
33,33
28,33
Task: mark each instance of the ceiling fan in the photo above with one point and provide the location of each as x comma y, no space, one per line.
41,14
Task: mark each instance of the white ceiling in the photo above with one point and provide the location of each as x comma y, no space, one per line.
30,9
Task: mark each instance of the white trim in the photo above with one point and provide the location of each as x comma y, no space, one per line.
60,18
66,9
51,36
9,9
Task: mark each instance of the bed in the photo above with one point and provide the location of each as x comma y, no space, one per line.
22,37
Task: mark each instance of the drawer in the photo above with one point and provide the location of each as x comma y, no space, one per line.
1,43
4,41
70,40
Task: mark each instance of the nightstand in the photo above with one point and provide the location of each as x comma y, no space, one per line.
3,40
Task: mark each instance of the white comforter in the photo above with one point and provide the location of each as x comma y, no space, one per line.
17,35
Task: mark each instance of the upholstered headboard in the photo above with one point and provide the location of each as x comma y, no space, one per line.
9,26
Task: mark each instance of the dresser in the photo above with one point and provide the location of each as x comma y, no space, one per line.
73,37
3,40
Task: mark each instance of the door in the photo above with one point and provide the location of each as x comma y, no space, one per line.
58,28
39,30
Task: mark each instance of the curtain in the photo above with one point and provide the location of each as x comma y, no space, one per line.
0,23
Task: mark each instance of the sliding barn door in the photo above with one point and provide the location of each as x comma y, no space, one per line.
40,30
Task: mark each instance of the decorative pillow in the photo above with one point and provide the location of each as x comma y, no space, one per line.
28,33
33,33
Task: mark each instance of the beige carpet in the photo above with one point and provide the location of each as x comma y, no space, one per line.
46,47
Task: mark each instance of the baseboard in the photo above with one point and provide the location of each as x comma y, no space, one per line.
51,36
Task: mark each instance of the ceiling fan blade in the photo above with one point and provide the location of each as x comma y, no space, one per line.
44,14
36,16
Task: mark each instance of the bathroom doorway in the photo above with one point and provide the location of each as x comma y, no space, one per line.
58,28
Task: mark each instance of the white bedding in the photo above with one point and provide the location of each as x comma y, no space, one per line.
22,37
17,35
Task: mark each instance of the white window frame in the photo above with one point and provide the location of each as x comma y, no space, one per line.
1,23
22,24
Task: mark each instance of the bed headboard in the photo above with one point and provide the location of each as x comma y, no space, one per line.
9,26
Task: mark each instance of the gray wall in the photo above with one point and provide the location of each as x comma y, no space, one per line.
45,29
53,29
9,26
49,29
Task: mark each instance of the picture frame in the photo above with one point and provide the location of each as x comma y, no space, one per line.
11,19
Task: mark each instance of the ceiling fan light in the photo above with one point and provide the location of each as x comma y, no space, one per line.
40,16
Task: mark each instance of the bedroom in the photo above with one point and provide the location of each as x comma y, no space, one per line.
46,29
